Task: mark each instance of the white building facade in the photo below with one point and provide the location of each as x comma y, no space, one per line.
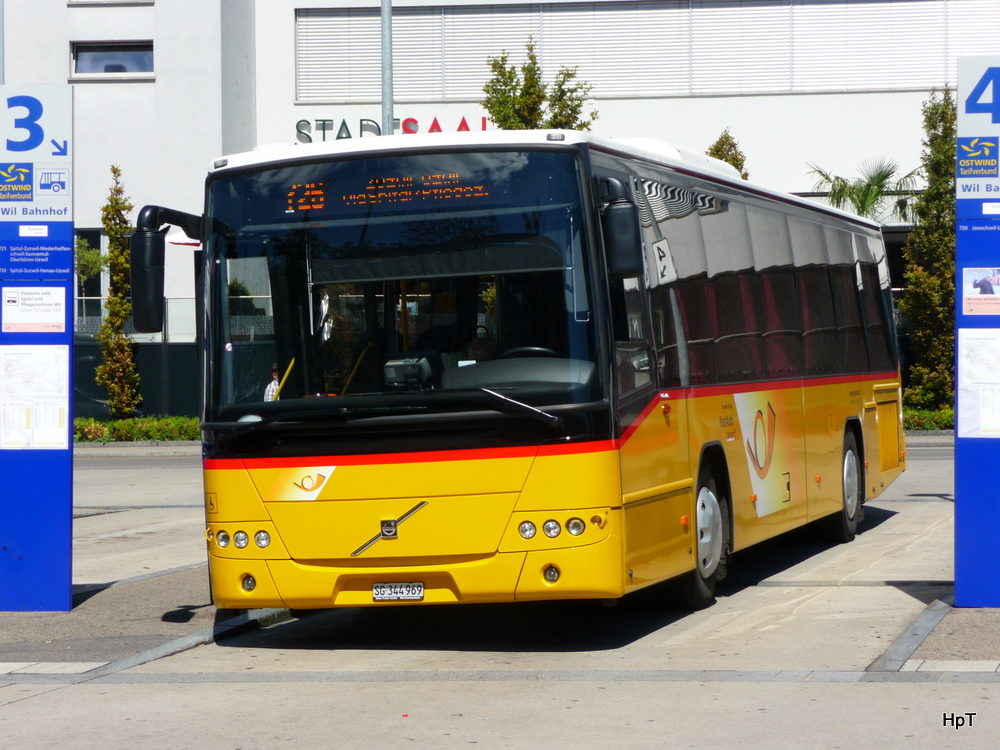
162,87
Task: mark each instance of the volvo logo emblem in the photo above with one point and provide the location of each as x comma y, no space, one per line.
389,529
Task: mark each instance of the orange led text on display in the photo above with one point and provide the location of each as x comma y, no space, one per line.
309,196
433,187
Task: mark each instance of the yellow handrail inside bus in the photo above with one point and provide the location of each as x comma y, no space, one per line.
284,378
357,366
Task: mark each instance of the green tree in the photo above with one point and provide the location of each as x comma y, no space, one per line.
567,98
878,193
928,304
728,150
521,101
88,263
117,372
87,260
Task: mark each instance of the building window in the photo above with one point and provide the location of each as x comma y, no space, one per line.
113,59
682,47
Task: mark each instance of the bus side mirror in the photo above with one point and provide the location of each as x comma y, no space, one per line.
620,227
147,253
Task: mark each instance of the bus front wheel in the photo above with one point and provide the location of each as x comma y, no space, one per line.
697,588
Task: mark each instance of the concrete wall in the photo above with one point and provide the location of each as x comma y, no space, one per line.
163,133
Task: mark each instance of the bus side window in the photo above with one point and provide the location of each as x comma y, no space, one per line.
846,301
782,324
665,336
729,258
819,325
694,301
780,314
876,301
738,346
698,312
631,334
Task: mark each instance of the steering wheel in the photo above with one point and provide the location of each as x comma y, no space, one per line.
528,351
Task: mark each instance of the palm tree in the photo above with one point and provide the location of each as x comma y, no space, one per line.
878,193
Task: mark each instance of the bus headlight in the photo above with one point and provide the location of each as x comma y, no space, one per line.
551,529
240,539
527,530
576,526
262,539
222,538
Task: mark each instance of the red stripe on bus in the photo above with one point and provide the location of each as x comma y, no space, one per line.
667,395
804,382
779,385
377,459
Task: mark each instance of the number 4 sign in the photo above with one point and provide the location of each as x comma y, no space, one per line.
977,152
984,99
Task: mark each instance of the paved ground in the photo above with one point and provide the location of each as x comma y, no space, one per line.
809,645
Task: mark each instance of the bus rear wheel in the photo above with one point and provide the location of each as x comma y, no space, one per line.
696,588
842,526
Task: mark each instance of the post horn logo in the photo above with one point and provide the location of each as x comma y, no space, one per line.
308,484
763,437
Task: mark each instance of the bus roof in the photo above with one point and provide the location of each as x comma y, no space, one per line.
646,149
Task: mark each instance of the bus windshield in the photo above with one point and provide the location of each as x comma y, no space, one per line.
365,279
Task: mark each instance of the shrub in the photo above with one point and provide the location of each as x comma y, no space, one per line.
919,419
90,431
159,429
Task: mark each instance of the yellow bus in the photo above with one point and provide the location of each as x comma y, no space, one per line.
512,366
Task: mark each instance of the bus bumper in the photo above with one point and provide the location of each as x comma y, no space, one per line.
589,572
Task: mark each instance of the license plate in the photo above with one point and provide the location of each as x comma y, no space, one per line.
397,592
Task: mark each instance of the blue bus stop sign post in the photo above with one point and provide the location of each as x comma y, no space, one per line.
977,339
36,348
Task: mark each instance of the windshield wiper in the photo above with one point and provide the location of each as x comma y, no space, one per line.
511,406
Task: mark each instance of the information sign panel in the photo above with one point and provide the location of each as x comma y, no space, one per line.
36,344
977,340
